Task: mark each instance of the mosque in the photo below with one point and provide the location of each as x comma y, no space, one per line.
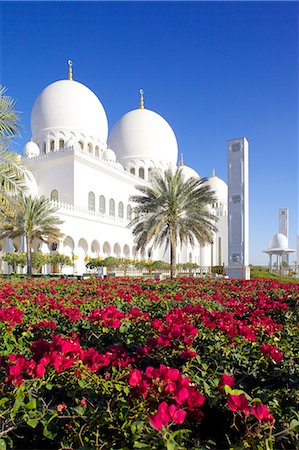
90,172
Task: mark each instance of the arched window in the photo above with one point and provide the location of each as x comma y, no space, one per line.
45,147
121,210
54,195
89,146
81,145
141,173
132,171
61,143
129,212
91,201
97,151
111,207
102,204
52,145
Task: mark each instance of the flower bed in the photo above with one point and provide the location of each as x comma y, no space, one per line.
124,364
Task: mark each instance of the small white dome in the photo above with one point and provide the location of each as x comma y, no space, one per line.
69,105
109,155
30,184
220,188
279,241
188,173
119,167
31,149
143,134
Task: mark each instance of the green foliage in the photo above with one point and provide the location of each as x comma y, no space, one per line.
38,259
172,211
12,171
34,218
132,325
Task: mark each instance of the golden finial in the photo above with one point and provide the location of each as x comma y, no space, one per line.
70,72
182,160
141,99
213,173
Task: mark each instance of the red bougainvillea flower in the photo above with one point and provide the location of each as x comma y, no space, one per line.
261,412
238,403
135,378
61,407
167,414
226,380
272,352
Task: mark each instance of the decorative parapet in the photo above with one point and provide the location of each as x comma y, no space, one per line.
80,211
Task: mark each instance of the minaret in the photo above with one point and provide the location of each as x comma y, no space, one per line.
284,221
238,223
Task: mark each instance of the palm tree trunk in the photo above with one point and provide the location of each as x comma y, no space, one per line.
172,259
29,255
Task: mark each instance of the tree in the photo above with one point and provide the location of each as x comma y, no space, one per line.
11,171
34,219
173,211
60,259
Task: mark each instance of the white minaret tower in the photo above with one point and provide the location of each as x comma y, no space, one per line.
284,227
238,220
284,221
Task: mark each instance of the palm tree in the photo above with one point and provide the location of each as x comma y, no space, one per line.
173,210
11,171
34,219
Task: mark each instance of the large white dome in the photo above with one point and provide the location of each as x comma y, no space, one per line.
69,105
143,134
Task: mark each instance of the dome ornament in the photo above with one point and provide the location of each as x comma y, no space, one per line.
70,71
213,173
141,99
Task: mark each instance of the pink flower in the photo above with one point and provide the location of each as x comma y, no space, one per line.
273,352
226,380
135,378
162,416
61,407
238,403
261,412
166,414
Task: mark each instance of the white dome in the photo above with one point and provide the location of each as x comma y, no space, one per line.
30,184
109,155
144,134
31,149
188,173
220,188
69,105
279,241
118,166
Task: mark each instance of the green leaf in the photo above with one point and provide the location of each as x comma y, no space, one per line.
49,434
2,402
49,386
32,422
141,445
31,404
2,444
79,410
17,404
82,383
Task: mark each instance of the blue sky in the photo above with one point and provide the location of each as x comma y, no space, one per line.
213,70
